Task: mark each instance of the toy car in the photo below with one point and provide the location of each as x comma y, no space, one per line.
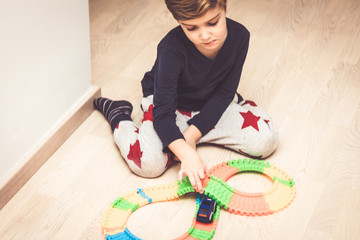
206,210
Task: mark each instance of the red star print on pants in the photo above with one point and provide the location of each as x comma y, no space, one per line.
250,120
148,116
184,112
135,153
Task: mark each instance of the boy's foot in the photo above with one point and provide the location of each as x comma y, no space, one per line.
114,111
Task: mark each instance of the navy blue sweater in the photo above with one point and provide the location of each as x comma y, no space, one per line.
183,78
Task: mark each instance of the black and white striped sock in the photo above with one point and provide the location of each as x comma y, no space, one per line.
114,111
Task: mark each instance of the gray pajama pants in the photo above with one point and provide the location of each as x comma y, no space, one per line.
243,127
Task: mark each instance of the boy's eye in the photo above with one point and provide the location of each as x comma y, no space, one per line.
209,23
191,29
213,24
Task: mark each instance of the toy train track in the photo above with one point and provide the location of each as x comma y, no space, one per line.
278,197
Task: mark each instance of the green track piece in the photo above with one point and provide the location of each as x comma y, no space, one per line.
184,186
220,191
123,204
190,229
249,165
217,213
289,183
201,234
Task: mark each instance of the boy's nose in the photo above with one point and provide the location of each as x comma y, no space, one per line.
204,35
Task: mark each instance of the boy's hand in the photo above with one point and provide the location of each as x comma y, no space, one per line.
191,163
193,167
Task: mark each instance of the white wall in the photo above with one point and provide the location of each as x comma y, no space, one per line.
44,70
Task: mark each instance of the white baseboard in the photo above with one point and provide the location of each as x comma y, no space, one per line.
22,172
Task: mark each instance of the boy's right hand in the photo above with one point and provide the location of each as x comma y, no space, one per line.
191,163
193,167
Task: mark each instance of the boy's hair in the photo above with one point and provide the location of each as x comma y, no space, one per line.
190,9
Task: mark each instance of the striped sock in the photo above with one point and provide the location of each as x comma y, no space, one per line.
114,111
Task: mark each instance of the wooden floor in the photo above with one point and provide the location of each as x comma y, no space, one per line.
303,67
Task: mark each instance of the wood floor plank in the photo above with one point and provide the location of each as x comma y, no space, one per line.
303,67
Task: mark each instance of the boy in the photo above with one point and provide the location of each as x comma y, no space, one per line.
190,97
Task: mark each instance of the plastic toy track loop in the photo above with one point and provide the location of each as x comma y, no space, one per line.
275,199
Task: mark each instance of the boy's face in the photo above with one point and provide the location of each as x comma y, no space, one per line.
208,33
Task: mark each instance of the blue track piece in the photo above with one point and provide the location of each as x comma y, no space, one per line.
126,235
142,194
